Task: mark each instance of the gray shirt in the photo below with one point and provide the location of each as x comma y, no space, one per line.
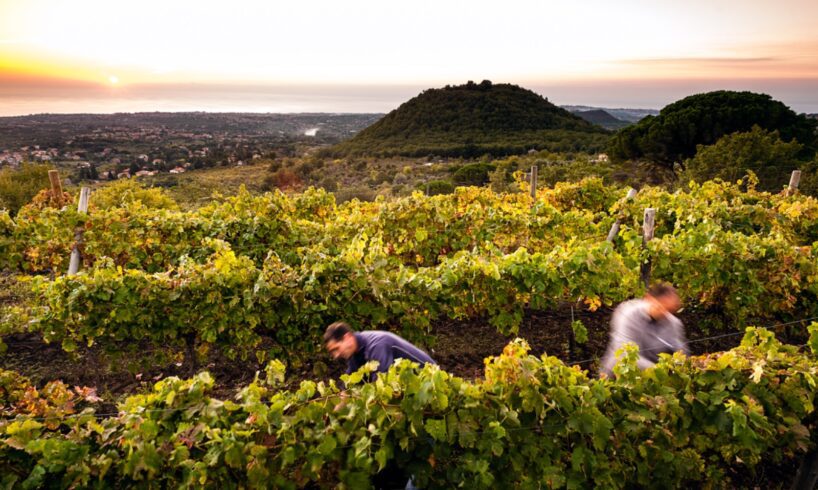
632,323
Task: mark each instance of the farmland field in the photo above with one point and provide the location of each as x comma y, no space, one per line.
181,323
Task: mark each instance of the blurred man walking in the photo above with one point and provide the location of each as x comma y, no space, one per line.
651,324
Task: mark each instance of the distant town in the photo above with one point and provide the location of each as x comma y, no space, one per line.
107,147
115,146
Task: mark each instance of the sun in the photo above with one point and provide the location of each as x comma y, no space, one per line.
113,79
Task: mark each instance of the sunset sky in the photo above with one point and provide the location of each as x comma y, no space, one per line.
365,56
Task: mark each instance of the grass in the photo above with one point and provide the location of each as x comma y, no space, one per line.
12,289
195,188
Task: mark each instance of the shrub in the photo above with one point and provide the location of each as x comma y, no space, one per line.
473,174
350,193
121,192
18,186
436,187
329,184
733,155
674,135
282,179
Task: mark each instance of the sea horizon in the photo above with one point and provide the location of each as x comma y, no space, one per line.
800,95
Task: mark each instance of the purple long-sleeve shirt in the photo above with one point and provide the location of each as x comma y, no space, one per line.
384,347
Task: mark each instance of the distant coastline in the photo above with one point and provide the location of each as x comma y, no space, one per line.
801,96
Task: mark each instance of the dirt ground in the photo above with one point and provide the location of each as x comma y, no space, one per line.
460,347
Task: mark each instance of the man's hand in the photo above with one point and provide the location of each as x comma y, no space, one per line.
343,395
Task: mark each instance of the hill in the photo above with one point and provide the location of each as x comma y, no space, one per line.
474,119
600,117
674,134
627,114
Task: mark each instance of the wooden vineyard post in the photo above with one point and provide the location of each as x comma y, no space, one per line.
56,186
615,227
74,263
648,226
533,184
795,178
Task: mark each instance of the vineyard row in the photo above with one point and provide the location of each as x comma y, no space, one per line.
528,423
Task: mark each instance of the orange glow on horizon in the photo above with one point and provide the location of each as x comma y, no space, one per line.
131,48
33,68
39,68
368,41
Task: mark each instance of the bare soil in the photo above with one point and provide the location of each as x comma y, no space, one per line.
460,347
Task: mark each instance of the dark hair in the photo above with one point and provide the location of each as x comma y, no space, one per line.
336,331
661,289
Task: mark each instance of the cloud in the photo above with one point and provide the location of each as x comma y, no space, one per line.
25,85
17,40
701,60
773,65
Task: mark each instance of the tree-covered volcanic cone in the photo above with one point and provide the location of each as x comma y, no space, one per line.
474,119
702,119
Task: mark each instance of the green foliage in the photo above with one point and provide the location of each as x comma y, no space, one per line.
743,275
813,338
589,194
472,120
573,170
674,135
124,192
530,422
473,174
744,253
759,151
19,186
133,236
227,300
404,262
580,332
501,181
209,301
360,193
436,187
809,178
329,184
